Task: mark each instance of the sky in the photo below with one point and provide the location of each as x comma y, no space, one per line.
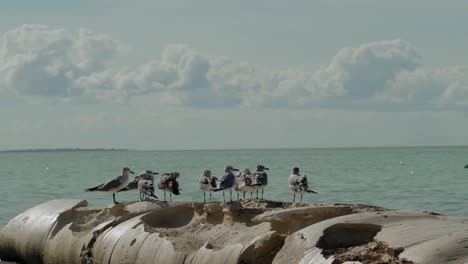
205,74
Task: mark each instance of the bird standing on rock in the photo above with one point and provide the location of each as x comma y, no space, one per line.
114,185
298,183
227,181
133,185
207,183
168,182
244,182
260,179
146,185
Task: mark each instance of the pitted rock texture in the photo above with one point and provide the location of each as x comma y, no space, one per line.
246,231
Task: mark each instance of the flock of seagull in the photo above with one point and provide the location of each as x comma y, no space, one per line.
241,181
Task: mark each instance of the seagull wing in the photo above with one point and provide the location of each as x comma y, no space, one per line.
114,183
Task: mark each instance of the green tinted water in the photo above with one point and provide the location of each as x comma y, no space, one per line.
415,178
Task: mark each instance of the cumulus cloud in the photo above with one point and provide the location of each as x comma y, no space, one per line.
36,60
446,87
39,61
363,71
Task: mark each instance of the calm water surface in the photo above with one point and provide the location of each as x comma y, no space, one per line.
430,178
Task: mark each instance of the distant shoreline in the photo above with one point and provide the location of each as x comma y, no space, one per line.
231,149
64,150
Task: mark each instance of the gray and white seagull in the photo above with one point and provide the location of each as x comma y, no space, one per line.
299,184
227,181
207,183
146,185
260,178
114,185
133,185
244,182
168,182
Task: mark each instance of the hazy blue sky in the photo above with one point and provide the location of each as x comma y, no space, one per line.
245,74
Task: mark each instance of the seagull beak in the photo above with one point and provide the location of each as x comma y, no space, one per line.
132,172
235,169
266,168
155,173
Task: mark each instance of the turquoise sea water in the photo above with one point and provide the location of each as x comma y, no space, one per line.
427,178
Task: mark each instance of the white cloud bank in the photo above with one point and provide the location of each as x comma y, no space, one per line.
41,62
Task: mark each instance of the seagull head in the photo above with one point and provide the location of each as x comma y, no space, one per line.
229,168
126,171
207,173
296,170
262,168
150,172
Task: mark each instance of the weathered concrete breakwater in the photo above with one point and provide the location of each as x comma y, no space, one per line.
249,231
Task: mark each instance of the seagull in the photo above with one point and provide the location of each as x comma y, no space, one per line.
133,185
207,183
168,182
149,175
260,178
114,185
298,183
146,185
227,181
244,182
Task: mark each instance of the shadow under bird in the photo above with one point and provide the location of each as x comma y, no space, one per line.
244,182
114,185
299,184
227,181
260,178
168,183
207,183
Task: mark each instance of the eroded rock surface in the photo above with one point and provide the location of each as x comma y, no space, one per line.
374,252
402,236
247,231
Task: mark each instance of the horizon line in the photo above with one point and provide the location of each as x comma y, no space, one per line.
70,149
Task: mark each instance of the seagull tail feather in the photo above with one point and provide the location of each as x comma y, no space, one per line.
92,189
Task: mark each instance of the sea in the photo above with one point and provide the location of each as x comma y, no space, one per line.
417,178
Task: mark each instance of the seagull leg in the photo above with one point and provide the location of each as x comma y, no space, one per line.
238,196
294,197
170,197
301,197
244,195
113,195
224,197
251,195
257,195
230,194
210,196
204,197
165,196
262,194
